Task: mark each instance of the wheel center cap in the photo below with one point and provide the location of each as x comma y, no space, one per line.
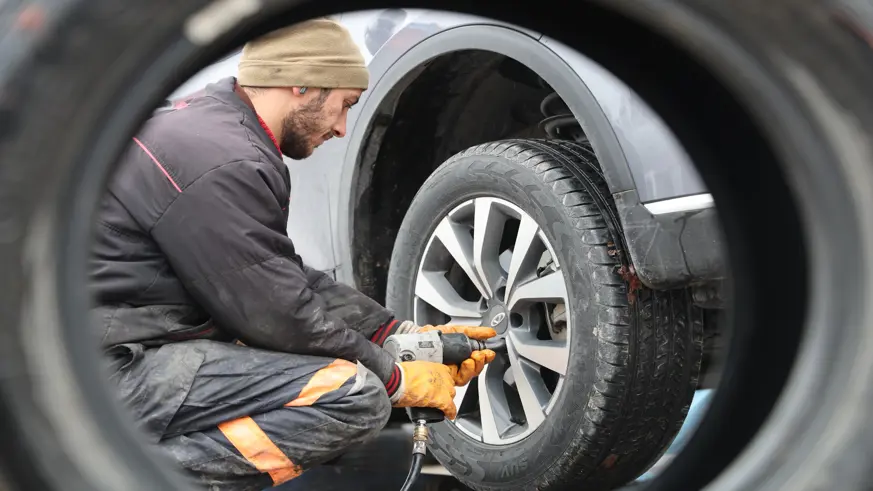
497,318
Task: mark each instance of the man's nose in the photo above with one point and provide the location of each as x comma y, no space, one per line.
339,129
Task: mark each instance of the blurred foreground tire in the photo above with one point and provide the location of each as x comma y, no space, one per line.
772,100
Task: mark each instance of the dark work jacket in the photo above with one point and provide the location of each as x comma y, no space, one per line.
191,243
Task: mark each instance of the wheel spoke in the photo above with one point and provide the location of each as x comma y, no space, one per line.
525,254
551,354
460,394
488,225
549,288
490,433
531,390
457,240
510,391
433,288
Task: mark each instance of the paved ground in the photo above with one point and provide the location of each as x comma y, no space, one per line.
336,480
383,466
333,479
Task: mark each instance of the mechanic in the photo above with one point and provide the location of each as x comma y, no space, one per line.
241,363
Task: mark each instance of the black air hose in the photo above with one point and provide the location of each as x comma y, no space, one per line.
414,471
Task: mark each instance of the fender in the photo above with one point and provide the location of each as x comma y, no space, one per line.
670,224
524,47
629,149
655,163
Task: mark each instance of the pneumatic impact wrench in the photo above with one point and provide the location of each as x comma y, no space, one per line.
434,346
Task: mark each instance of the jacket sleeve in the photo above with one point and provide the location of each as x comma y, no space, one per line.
224,236
360,312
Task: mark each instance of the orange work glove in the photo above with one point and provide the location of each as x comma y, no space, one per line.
426,384
473,332
471,367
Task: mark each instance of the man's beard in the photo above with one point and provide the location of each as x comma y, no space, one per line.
299,127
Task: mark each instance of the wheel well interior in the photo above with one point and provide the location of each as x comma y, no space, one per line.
452,102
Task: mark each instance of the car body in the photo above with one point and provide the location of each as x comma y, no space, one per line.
444,82
658,192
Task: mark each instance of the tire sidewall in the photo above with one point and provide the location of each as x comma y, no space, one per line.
461,179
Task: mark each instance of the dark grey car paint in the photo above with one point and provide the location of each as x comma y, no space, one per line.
659,166
640,157
493,38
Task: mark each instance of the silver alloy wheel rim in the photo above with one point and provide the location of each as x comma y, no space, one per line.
516,392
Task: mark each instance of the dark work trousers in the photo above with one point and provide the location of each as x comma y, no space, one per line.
239,418
248,419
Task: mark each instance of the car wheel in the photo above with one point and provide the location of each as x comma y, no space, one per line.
521,235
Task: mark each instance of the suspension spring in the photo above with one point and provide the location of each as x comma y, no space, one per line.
559,122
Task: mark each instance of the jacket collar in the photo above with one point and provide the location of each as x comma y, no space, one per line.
228,91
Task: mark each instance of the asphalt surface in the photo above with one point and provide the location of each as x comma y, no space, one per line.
383,464
338,479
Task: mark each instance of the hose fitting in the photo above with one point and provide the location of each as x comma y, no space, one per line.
419,437
419,448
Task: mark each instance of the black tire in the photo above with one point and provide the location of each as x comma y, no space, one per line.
634,353
778,91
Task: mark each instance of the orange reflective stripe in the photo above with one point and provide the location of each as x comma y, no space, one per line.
329,378
257,448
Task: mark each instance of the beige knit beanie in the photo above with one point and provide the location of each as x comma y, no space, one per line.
318,53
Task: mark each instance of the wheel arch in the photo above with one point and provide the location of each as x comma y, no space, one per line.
368,137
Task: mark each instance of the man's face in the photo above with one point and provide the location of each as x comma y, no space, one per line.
317,120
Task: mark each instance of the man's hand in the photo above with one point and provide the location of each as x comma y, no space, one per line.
473,332
471,367
426,384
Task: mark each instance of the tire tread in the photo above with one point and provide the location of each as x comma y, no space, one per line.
649,343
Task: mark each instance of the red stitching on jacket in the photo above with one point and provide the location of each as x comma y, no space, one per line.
394,381
184,336
382,333
270,133
155,160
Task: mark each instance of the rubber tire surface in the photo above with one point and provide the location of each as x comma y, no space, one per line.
635,353
774,90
